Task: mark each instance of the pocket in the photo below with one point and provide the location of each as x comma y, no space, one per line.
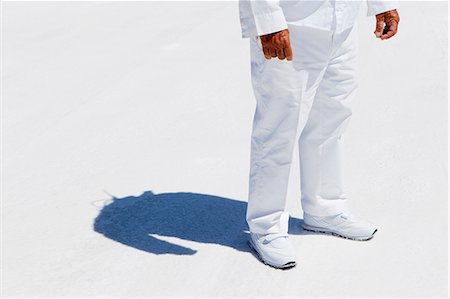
255,40
257,54
258,42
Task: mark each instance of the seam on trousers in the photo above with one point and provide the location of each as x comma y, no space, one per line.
259,146
320,151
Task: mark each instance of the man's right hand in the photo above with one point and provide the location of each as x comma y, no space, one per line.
277,44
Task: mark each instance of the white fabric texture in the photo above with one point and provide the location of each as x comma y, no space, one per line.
305,100
259,17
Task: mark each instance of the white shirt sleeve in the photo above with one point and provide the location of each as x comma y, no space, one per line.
259,17
375,7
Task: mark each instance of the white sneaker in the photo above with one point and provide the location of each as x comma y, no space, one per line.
343,225
274,250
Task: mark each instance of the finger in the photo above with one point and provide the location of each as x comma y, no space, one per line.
280,54
288,51
391,32
266,52
388,35
273,52
379,26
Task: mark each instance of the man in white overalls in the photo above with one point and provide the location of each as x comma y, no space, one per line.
303,72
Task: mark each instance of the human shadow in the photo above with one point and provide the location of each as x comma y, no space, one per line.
136,221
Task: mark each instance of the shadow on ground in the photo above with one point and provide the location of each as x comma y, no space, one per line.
136,221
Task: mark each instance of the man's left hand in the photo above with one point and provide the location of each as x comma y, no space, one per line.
387,24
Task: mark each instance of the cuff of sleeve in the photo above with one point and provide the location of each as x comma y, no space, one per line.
377,7
270,22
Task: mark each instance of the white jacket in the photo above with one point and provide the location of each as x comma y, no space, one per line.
259,17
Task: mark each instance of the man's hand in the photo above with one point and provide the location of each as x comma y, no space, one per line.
277,44
387,24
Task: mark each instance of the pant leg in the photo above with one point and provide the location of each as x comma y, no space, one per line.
283,91
321,140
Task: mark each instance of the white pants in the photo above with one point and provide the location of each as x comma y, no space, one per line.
305,100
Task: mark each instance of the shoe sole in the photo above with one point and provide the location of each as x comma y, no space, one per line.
286,266
330,232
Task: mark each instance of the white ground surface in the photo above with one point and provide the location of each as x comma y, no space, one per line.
151,104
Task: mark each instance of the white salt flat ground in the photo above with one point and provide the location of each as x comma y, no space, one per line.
125,130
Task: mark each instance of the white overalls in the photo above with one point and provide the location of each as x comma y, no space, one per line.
304,101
